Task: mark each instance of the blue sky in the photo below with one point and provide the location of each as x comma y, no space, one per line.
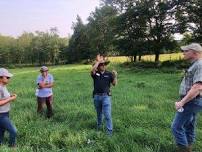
17,16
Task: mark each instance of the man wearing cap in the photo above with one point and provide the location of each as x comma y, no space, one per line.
5,99
44,91
101,93
190,103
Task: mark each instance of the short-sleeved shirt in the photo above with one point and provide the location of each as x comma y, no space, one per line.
192,76
44,92
4,94
102,82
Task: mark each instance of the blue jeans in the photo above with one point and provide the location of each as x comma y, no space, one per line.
183,126
5,124
103,106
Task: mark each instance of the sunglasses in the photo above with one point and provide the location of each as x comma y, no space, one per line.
186,50
44,71
101,64
7,77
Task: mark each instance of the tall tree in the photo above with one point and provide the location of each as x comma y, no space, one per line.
190,18
78,44
101,30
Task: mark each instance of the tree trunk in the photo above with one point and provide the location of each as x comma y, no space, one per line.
157,56
139,58
135,58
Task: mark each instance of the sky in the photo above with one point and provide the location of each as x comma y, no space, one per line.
17,16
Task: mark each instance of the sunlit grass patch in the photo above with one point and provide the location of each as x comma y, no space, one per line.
162,57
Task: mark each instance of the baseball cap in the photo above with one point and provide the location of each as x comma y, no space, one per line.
4,73
193,46
44,68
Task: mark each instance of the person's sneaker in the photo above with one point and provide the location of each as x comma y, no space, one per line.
182,149
109,133
190,148
49,114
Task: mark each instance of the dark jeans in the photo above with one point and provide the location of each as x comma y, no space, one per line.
103,106
5,124
41,101
183,126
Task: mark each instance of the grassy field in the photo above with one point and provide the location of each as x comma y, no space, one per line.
142,109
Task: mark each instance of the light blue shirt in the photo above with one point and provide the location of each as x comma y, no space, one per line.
44,92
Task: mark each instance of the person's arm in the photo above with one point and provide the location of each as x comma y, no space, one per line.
99,59
192,93
43,84
94,68
114,75
9,99
50,85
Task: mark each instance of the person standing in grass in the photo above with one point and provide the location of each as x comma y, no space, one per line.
5,99
44,91
183,126
101,93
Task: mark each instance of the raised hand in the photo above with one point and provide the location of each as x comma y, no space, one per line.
99,58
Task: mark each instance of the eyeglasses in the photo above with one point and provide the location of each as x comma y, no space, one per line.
7,77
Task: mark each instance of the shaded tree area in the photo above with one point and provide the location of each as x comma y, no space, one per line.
139,27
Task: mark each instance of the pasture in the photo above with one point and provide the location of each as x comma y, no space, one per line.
142,111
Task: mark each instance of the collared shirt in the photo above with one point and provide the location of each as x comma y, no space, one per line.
192,76
102,82
4,94
44,92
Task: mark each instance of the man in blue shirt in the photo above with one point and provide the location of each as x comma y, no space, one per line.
101,93
44,91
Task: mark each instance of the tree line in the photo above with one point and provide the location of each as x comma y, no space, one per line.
33,48
117,27
137,27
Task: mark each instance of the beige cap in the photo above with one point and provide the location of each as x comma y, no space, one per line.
4,73
193,46
44,68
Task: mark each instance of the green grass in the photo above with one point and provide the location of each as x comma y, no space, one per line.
142,110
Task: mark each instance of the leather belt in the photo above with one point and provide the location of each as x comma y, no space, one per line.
102,94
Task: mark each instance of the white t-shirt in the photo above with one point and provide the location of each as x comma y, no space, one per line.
4,94
44,92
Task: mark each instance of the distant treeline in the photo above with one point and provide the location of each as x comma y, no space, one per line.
33,48
116,27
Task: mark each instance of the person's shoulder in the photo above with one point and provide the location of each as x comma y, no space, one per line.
50,75
198,64
108,72
200,61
